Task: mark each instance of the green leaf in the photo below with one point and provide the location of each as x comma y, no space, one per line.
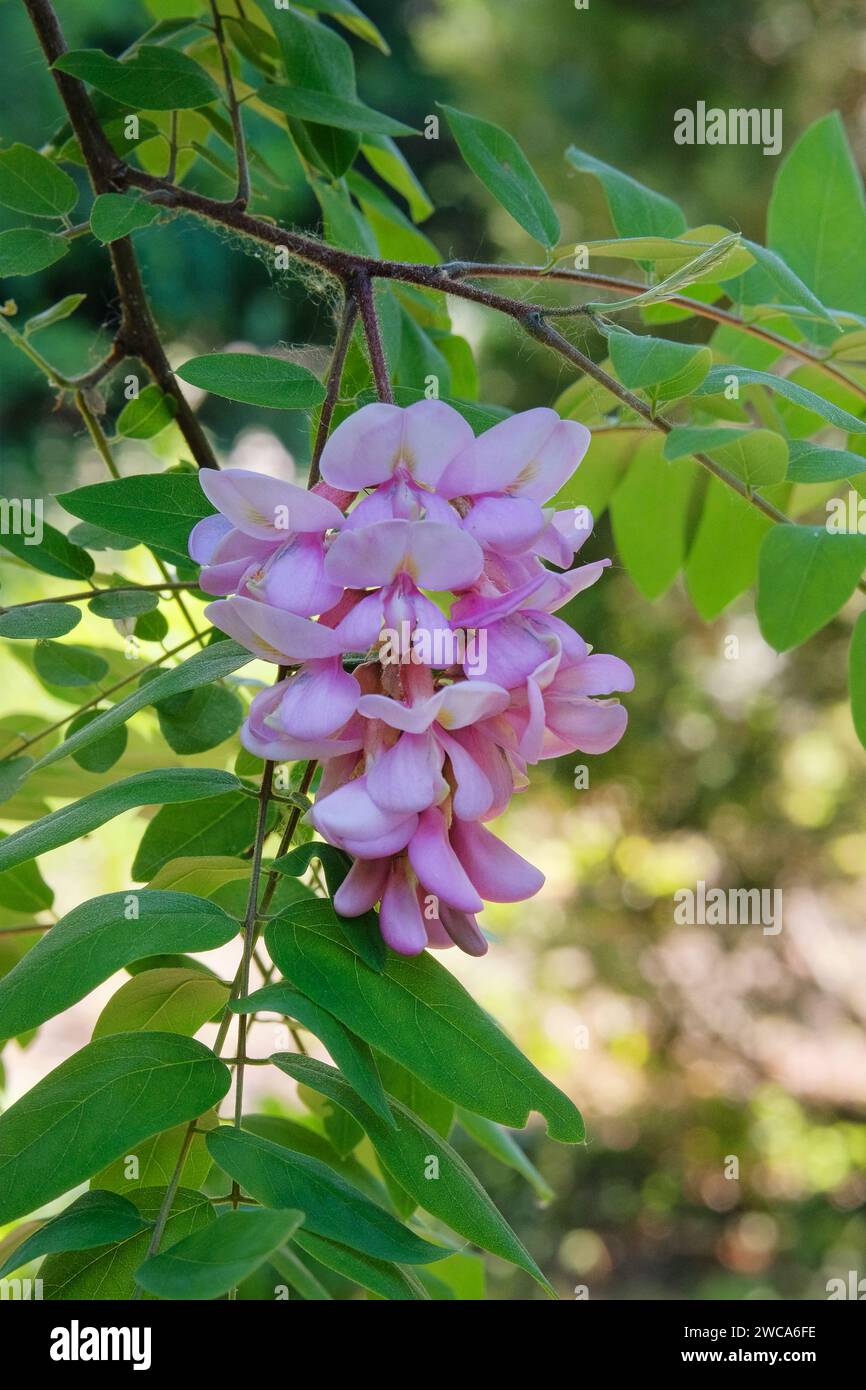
347,13
108,1272
758,458
817,215
156,1159
211,1261
255,379
363,932
104,752
857,677
26,250
789,288
204,876
115,215
352,1056
718,378
634,209
499,162
170,1000
61,663
504,1147
94,1218
39,620
649,512
157,508
98,938
297,1276
33,184
386,1280
54,554
280,1177
224,825
666,368
80,817
23,889
151,411
316,58
155,79
209,665
450,1192
815,463
417,1013
199,719
123,603
95,1106
391,166
56,314
723,558
323,108
805,574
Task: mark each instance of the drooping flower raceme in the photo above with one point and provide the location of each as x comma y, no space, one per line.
422,554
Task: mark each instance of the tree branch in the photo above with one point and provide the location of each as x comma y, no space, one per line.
348,319
242,197
361,288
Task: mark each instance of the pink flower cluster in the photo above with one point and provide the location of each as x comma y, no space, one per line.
423,550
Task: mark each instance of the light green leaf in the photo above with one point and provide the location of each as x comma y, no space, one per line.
351,1055
56,314
94,1218
255,379
95,1106
391,166
723,558
80,817
323,108
455,1196
39,620
666,368
278,1177
23,889
156,78
198,720
805,575
817,215
347,13
151,411
758,458
108,1272
157,508
153,1162
719,377
206,1264
634,209
209,665
33,184
649,511
857,677
417,1013
98,938
499,162
790,289
26,250
163,1001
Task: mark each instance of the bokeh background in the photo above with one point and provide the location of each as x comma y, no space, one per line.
684,1046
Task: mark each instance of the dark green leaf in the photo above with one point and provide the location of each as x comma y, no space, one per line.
200,719
53,555
39,620
254,379
104,752
316,58
23,889
157,508
95,1106
351,1055
666,368
717,379
98,938
94,1218
26,250
386,1280
154,79
816,463
280,1177
224,825
80,817
504,1147
805,574
634,209
208,1263
123,603
503,168
56,314
857,677
323,108
363,932
417,1013
61,663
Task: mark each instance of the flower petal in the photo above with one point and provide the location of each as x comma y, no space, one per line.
362,887
407,777
265,507
400,919
497,871
437,866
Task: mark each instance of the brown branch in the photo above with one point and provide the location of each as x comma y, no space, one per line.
242,197
361,288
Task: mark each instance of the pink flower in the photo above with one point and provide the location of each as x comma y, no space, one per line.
422,742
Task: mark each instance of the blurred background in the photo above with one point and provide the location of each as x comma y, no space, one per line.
686,1047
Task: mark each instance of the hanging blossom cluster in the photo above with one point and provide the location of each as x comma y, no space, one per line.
423,550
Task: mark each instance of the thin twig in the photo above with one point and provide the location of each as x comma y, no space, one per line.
242,196
348,319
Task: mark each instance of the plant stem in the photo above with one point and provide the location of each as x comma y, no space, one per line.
348,319
362,289
94,593
242,196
